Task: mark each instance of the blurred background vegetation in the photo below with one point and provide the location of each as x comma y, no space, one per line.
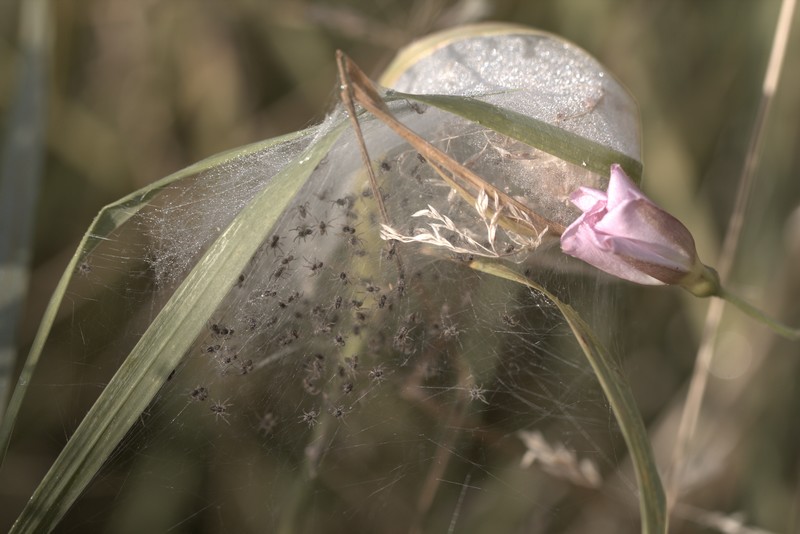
139,89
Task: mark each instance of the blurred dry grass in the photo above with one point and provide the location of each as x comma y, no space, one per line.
140,89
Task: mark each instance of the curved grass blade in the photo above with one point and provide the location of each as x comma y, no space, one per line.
652,502
22,161
107,220
162,346
536,133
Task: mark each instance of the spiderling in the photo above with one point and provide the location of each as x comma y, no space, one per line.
274,243
302,210
377,374
84,268
309,417
220,410
477,393
314,266
338,411
339,340
199,393
303,231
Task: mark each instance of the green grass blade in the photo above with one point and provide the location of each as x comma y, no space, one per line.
107,220
163,345
22,161
652,503
536,133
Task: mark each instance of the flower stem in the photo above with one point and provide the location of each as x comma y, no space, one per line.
610,375
777,327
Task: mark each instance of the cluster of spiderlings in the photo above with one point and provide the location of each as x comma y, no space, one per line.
334,347
323,307
324,294
220,409
301,295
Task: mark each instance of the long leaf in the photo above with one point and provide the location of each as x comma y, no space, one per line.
163,345
536,133
107,220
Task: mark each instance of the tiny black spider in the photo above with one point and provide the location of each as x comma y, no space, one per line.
221,331
274,243
401,286
220,410
315,266
403,340
246,366
338,412
377,374
302,210
418,108
322,226
84,268
309,417
303,231
199,393
343,202
391,249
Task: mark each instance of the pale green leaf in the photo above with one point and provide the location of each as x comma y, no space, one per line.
162,346
107,220
536,133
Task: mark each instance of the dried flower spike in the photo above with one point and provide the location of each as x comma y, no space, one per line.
623,233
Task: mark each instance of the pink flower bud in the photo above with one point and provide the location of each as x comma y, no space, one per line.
623,233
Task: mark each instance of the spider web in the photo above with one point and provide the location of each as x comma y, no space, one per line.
348,383
328,385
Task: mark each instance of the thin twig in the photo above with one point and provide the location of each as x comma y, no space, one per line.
347,95
705,353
